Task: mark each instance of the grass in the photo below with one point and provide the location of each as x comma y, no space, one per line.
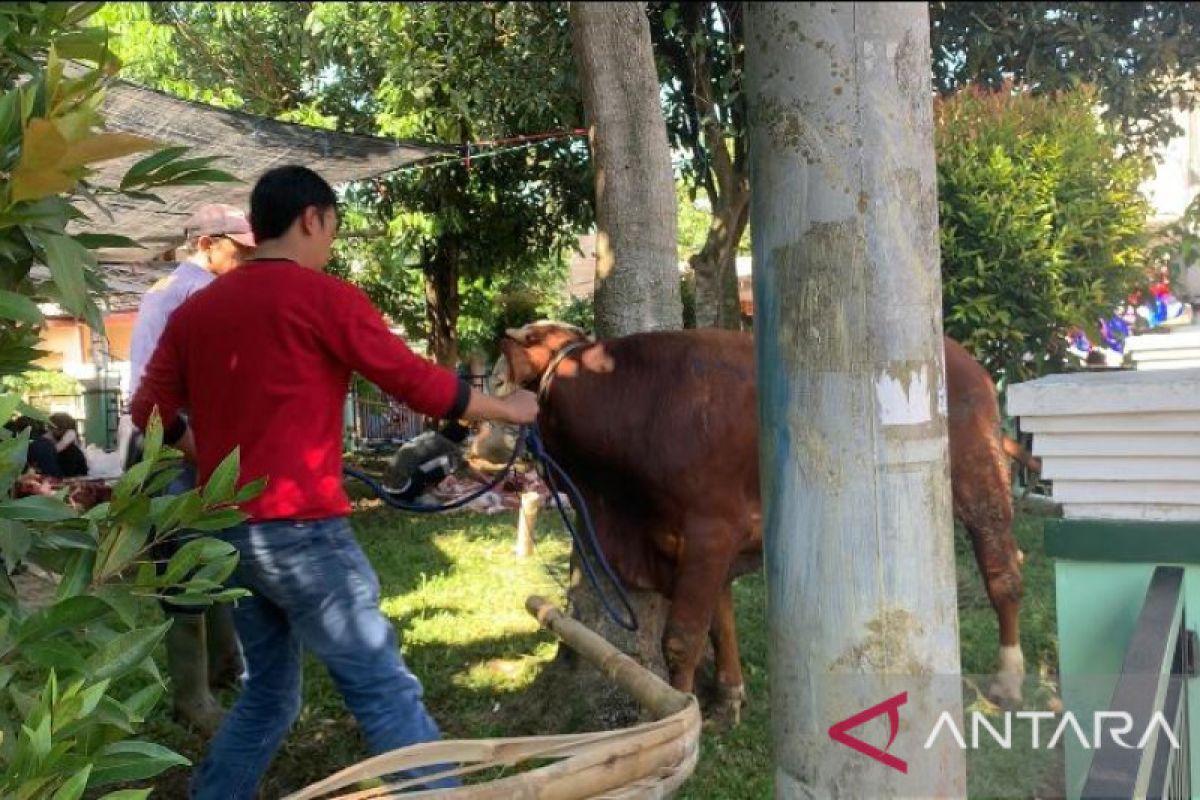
457,594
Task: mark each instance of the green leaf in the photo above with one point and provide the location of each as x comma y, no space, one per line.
78,575
39,738
219,488
124,602
218,520
159,481
8,405
125,652
20,308
153,439
112,712
200,177
116,551
15,541
132,480
67,260
95,241
250,490
13,452
149,164
54,655
37,508
69,614
191,554
10,115
128,794
144,196
73,788
143,701
125,761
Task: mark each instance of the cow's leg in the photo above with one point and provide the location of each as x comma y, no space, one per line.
731,690
702,570
999,564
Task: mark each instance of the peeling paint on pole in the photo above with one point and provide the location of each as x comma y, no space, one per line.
852,396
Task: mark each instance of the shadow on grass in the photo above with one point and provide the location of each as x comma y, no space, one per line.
455,592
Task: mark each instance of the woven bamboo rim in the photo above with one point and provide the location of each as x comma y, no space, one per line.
651,760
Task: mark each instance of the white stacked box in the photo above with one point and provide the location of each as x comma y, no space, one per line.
1177,348
1117,445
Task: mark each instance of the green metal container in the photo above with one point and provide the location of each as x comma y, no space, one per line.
1102,571
99,406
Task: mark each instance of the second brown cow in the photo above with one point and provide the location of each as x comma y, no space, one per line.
660,433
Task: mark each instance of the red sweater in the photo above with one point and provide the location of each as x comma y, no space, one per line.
261,359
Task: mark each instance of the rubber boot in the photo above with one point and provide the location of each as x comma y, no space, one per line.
187,665
224,655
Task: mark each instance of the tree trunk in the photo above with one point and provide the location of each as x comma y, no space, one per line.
441,304
637,272
858,543
724,179
717,302
637,275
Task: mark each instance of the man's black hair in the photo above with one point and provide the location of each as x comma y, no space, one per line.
280,197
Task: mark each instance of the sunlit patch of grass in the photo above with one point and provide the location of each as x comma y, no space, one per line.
456,593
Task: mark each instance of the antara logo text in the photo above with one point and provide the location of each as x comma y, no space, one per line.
1114,726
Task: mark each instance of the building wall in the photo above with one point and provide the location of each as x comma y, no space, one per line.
69,343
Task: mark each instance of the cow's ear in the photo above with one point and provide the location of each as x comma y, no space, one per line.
521,370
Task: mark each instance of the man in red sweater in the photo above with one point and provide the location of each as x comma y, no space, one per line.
261,360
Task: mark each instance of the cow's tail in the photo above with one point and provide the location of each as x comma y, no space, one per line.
1014,451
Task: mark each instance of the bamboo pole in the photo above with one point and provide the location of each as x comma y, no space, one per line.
650,760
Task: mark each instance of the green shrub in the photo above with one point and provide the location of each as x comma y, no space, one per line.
76,676
1042,224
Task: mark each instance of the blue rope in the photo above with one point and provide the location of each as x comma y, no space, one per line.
532,441
390,498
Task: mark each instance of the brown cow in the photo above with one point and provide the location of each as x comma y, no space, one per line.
660,432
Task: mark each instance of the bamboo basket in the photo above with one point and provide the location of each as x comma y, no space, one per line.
651,760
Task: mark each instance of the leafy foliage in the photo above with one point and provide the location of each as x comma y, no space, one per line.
1042,224
50,138
1142,57
437,247
74,673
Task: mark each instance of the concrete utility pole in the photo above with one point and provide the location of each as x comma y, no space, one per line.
852,401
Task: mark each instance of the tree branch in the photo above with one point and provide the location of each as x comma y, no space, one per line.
699,30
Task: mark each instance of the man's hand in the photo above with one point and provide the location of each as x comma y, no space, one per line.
518,408
522,407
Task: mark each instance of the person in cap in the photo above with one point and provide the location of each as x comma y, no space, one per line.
202,646
262,361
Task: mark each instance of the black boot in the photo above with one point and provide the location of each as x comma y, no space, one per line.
224,655
187,664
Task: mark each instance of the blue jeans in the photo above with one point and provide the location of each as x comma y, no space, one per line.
313,587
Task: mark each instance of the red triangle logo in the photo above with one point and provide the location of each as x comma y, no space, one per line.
891,707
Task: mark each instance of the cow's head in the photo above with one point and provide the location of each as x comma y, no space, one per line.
525,353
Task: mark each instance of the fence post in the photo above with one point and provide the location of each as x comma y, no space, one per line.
531,503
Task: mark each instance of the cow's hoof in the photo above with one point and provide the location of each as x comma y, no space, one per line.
725,712
1004,693
1010,678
